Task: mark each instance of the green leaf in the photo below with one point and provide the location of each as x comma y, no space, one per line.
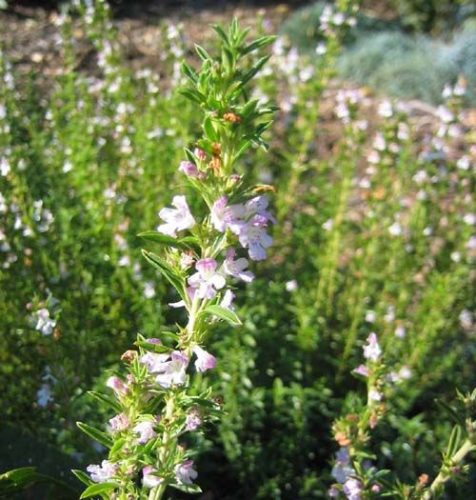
243,147
222,313
228,59
193,95
19,478
454,441
258,43
96,434
219,31
252,72
187,488
98,489
24,477
202,53
209,129
189,72
117,446
102,398
162,239
82,476
18,474
166,271
157,348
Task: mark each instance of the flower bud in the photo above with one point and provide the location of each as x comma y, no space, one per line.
129,356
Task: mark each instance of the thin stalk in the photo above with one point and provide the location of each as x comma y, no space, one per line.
443,475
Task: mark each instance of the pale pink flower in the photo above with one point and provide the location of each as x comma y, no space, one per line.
361,370
227,300
254,237
119,423
185,473
170,368
353,489
102,473
154,361
189,169
149,477
145,430
200,154
206,281
117,385
193,421
173,371
205,361
44,324
237,268
375,395
176,219
372,349
220,214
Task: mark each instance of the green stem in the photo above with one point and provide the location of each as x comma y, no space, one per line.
444,475
158,493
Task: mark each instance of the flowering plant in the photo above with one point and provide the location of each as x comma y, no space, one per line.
203,253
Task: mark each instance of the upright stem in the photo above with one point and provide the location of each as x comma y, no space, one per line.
444,476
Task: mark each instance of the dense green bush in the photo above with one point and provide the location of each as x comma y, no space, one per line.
408,67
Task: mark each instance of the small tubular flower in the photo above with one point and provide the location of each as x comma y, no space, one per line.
205,361
176,219
146,431
372,350
102,473
185,473
206,281
237,268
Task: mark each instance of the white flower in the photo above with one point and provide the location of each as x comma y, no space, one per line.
353,489
206,281
44,323
43,395
372,349
176,219
227,300
237,268
205,361
119,423
149,290
102,473
185,473
149,477
146,431
374,395
395,229
291,286
370,316
400,332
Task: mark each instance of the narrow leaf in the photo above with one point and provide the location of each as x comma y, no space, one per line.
258,43
219,31
96,434
222,313
102,398
166,271
252,72
82,476
189,72
187,488
169,241
202,53
98,489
